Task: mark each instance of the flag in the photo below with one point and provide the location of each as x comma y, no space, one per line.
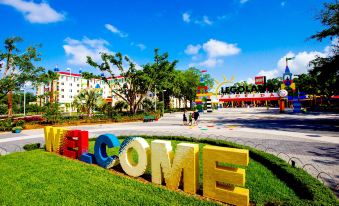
289,58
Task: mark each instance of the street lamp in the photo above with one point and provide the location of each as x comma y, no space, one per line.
155,97
163,101
70,103
23,89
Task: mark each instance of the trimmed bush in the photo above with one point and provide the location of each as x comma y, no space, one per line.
29,147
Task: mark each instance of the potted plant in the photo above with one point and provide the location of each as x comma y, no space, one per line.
16,129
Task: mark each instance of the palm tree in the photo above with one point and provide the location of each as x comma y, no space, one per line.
10,47
87,100
49,78
88,76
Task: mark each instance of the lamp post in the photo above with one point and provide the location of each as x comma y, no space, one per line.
70,103
163,101
24,100
155,97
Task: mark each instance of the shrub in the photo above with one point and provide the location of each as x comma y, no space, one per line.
16,128
20,123
32,119
6,125
3,109
29,147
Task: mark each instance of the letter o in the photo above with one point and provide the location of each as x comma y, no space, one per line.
142,148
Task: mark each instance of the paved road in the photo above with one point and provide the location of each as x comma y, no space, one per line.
306,139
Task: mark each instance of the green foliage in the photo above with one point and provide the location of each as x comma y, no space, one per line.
87,100
274,84
17,128
135,84
148,105
6,125
53,114
3,109
120,105
325,69
19,66
30,147
20,123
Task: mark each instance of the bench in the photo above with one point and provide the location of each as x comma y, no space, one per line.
149,118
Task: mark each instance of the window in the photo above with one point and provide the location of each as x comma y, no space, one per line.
70,84
70,96
62,90
62,96
78,85
70,90
62,83
78,91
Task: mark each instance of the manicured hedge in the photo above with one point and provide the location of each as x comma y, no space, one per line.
29,147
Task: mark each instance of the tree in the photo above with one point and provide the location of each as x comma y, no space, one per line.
191,81
49,78
274,84
19,69
161,74
325,69
87,100
120,105
88,76
135,83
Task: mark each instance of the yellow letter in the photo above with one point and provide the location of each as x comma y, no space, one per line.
169,167
219,181
53,138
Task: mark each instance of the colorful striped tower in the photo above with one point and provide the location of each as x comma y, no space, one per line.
203,95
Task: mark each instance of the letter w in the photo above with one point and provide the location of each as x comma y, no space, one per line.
54,137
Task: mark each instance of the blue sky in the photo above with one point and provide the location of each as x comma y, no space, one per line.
244,38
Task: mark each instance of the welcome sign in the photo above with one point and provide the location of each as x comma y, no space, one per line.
220,182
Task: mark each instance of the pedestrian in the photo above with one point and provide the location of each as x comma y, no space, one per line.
190,119
196,117
184,120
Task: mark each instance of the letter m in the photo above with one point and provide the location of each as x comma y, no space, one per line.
54,137
170,167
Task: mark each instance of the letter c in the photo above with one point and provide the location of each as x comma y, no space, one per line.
100,153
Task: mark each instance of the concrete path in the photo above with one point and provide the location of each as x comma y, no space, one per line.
311,141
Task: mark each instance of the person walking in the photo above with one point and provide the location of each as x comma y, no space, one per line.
190,119
184,120
196,117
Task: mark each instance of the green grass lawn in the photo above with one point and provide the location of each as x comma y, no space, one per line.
39,178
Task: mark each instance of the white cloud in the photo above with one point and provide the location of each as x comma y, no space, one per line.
40,13
270,73
191,49
206,20
141,46
243,1
250,80
300,64
115,30
211,62
77,50
215,48
186,17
